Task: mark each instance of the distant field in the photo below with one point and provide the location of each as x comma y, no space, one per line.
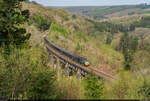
145,12
107,10
103,12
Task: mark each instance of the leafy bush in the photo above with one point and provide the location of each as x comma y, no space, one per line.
74,16
109,39
42,22
69,87
128,86
93,87
25,74
128,45
42,86
120,88
11,17
144,90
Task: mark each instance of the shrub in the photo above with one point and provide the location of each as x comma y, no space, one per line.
69,87
74,16
109,39
11,17
93,87
129,86
128,45
25,72
41,22
144,90
42,86
119,88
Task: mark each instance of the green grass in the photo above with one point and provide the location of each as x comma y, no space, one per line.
59,29
81,36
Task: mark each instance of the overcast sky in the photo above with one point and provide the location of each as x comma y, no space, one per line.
88,2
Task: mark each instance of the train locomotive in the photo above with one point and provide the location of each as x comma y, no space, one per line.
81,60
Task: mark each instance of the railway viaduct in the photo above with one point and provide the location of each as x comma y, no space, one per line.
71,66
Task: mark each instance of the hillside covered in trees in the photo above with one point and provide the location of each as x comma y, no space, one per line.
117,46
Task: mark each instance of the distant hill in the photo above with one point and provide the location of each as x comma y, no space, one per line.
110,11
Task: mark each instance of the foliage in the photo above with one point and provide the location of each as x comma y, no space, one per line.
74,16
114,28
26,1
140,61
109,39
59,29
42,86
81,36
144,22
128,86
111,28
93,87
70,87
79,47
11,17
120,87
144,90
124,47
128,46
25,74
42,22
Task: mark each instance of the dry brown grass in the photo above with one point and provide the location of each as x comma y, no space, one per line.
122,13
142,33
59,16
124,19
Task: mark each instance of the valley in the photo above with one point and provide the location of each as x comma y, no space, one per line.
114,40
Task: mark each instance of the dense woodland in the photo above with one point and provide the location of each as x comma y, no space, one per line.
120,49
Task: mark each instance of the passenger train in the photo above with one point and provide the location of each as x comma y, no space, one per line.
81,60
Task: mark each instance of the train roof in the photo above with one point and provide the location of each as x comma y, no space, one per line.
63,49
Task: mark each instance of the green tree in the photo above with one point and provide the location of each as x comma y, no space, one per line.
109,38
128,46
42,86
93,86
144,90
134,43
11,17
132,27
120,87
128,59
125,49
26,74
